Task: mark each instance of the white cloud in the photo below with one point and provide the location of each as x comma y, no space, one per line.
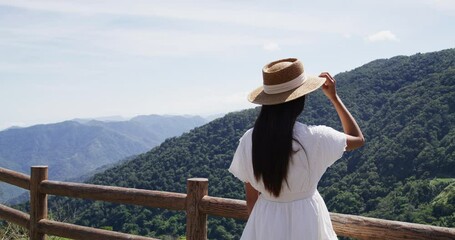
89,28
347,35
89,43
443,5
209,11
235,98
382,36
207,101
179,43
97,41
271,46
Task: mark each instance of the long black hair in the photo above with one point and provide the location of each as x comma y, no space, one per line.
272,142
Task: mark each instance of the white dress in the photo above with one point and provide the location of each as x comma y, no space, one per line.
299,213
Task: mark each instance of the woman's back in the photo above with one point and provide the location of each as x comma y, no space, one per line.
321,147
299,211
281,161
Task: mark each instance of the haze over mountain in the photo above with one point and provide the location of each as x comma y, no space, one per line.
406,108
74,148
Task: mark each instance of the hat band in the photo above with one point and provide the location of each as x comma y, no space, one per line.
284,87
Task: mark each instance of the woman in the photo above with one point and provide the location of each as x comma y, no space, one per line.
281,160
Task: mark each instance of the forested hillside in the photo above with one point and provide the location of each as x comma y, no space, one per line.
71,148
405,106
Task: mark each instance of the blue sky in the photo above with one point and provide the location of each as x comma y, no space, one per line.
66,59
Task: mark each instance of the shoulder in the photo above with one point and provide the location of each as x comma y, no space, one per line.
329,136
315,131
321,130
301,130
248,133
246,137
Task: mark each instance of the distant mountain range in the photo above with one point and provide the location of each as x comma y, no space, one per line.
406,108
75,148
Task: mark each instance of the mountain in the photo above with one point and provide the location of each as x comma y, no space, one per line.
115,118
405,106
71,148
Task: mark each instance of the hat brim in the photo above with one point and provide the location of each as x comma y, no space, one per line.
258,96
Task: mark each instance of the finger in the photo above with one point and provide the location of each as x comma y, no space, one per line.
328,82
324,74
333,79
330,77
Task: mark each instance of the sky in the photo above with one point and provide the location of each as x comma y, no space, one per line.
65,59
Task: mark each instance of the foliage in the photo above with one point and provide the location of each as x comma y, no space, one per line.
11,231
405,106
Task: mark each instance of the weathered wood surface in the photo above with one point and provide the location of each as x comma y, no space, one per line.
15,216
196,220
15,178
197,204
83,233
142,197
345,225
224,207
38,202
373,228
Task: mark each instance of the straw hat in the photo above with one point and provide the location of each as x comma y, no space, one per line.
284,80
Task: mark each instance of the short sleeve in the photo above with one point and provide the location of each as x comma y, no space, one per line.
332,144
239,162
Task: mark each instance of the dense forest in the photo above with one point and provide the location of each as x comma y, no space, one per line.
405,106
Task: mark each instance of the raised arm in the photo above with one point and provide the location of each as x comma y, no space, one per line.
354,136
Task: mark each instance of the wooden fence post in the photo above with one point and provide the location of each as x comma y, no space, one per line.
38,202
196,221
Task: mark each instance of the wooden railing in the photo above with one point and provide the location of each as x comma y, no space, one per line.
195,202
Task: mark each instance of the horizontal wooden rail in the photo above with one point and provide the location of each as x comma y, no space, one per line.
15,178
343,224
373,228
83,233
142,197
15,216
224,207
196,203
